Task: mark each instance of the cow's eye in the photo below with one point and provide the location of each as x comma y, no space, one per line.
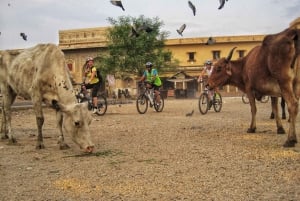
219,69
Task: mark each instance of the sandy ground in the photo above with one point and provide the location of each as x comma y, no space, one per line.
155,156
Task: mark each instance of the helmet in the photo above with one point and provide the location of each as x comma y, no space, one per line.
89,59
149,64
208,62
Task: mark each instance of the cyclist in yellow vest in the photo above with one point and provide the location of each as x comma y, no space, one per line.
91,82
152,79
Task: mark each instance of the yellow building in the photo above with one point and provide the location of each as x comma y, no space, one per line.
78,44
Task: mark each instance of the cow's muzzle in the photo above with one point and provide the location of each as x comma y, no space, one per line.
89,149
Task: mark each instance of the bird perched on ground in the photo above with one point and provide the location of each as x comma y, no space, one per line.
222,3
210,41
192,6
190,114
181,29
24,36
118,3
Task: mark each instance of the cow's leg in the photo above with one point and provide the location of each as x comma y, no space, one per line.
61,139
3,131
8,98
292,104
37,106
274,102
272,116
282,103
252,127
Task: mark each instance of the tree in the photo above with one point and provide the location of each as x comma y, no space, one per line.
133,42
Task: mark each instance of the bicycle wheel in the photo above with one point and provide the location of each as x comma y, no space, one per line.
217,102
142,104
203,103
264,99
159,106
102,105
245,99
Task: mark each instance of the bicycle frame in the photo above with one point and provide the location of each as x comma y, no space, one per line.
147,96
102,102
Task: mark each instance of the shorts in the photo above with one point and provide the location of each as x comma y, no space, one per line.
95,88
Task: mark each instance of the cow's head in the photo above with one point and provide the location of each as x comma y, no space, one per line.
221,72
76,121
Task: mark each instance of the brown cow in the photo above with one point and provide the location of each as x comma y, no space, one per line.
269,69
40,74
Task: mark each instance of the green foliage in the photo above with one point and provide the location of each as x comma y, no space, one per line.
127,53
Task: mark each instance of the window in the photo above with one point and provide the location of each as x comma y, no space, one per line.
216,54
191,56
70,66
241,53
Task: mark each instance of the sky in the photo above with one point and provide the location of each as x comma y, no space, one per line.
41,20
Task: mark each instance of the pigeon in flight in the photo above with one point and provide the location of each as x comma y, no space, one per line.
222,3
192,6
24,36
118,3
210,41
190,114
181,29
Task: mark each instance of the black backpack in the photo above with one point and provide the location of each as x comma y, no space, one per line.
99,76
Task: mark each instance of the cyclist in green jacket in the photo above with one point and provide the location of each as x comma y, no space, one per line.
152,80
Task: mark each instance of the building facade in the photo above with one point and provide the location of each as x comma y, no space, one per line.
78,44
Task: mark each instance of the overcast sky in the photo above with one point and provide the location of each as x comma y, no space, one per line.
42,19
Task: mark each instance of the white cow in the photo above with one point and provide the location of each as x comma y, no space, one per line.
40,74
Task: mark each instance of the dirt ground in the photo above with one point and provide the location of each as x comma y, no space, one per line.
155,156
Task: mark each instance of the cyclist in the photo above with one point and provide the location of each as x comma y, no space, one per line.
91,81
150,76
207,70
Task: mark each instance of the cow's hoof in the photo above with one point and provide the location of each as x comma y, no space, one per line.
280,130
272,116
64,146
12,141
4,137
40,146
290,143
251,130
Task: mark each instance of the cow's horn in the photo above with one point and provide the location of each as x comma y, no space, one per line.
230,54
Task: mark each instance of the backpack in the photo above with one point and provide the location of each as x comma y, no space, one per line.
99,76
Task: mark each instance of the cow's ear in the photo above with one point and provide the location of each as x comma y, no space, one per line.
228,70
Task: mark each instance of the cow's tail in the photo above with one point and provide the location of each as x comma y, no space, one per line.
296,40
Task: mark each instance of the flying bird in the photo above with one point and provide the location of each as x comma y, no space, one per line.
118,3
192,6
210,41
181,29
190,114
222,3
24,36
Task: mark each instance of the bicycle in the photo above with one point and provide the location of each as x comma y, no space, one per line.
205,104
245,99
102,101
148,98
